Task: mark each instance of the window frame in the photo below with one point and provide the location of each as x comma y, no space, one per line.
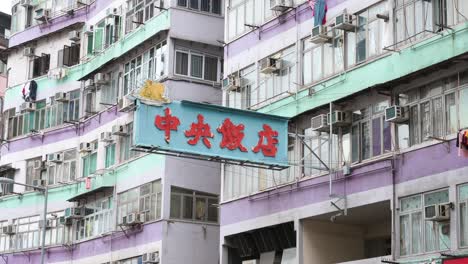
191,53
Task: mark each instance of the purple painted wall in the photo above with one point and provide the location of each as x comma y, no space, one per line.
58,23
409,166
151,233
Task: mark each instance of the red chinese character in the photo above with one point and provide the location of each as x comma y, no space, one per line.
269,149
199,130
167,123
232,135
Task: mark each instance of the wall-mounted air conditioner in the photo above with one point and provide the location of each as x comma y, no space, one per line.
319,123
38,182
89,85
152,257
74,212
132,219
125,104
120,130
339,118
42,14
280,5
55,158
270,65
48,224
62,220
106,137
396,114
28,52
320,35
74,35
231,82
345,22
86,147
437,212
111,12
89,29
9,230
100,78
38,165
27,107
61,97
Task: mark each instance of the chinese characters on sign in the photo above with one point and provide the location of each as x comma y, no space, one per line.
232,134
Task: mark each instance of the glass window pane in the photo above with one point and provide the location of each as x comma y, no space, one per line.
201,208
416,236
365,140
437,117
182,63
463,225
405,242
175,206
196,66
307,68
463,106
211,68
361,39
376,137
425,120
450,114
188,207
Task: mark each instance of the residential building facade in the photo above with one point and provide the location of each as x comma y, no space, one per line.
74,70
376,92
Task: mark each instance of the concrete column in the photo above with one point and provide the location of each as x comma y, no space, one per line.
298,226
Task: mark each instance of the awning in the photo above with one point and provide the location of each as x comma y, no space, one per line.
88,193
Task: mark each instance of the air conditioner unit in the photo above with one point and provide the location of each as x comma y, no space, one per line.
42,14
73,212
231,82
27,107
437,212
339,118
38,182
320,35
89,29
280,5
26,3
89,85
120,130
319,123
152,257
55,157
48,223
100,78
74,36
9,230
111,12
28,52
106,137
344,22
125,104
85,147
270,65
132,219
396,114
61,97
62,220
38,165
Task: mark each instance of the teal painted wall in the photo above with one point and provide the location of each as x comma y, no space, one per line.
393,66
148,164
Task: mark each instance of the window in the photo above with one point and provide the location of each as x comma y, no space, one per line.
196,65
98,217
33,172
151,65
134,260
125,145
371,135
39,66
139,11
89,161
7,188
110,155
432,111
193,205
247,94
319,143
144,199
56,233
45,116
369,33
211,6
418,235
242,12
69,56
284,80
27,232
64,171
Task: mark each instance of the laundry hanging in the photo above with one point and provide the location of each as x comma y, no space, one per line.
462,143
319,10
30,91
